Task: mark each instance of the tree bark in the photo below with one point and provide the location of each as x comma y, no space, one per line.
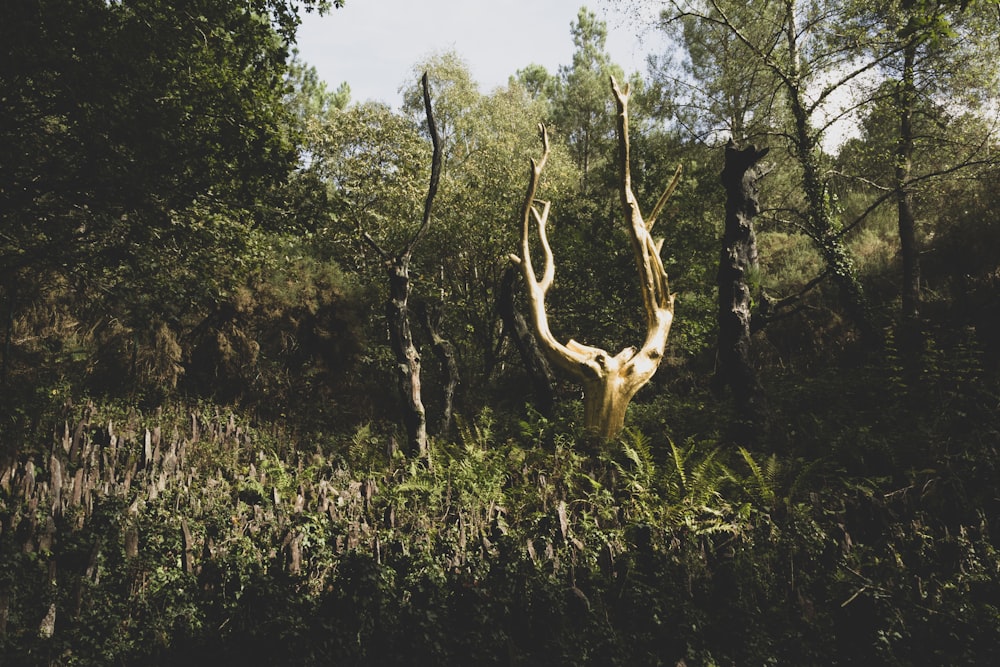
397,315
831,247
737,259
445,353
821,225
535,364
397,307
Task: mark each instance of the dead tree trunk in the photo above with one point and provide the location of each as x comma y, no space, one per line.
737,259
397,315
397,307
609,382
516,328
445,353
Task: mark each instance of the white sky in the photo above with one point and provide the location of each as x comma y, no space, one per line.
374,45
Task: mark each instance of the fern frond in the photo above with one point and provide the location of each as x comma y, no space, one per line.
761,485
680,460
632,455
707,477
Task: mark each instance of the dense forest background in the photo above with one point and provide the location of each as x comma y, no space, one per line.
204,452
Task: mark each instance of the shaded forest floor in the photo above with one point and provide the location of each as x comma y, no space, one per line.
861,532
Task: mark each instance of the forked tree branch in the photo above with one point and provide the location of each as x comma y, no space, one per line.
609,383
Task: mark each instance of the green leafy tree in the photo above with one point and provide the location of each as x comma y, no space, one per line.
136,139
792,40
582,112
716,88
938,64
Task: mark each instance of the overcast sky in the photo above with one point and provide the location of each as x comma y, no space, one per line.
373,45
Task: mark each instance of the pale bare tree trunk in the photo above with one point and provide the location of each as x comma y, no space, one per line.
609,382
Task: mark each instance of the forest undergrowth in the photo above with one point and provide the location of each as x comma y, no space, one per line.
191,534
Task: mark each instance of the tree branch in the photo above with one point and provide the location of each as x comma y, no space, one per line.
436,160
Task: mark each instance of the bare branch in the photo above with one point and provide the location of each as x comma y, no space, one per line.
436,160
370,241
664,197
529,212
609,382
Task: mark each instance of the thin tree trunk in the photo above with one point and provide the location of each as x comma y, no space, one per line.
445,353
397,307
537,367
821,225
911,338
737,258
407,357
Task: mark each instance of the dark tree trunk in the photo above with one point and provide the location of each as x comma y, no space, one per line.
397,307
538,369
397,314
737,259
445,353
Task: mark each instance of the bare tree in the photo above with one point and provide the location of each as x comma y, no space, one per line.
397,307
609,382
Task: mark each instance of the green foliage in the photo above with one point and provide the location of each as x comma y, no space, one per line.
141,522
518,545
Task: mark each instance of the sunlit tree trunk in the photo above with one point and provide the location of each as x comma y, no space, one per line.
609,382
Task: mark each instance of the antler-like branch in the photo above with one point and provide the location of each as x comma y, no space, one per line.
569,357
664,197
656,297
609,382
529,213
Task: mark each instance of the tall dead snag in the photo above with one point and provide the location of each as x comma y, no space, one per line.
737,259
609,382
397,309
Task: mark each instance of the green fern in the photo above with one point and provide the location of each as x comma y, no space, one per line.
763,481
680,467
636,449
